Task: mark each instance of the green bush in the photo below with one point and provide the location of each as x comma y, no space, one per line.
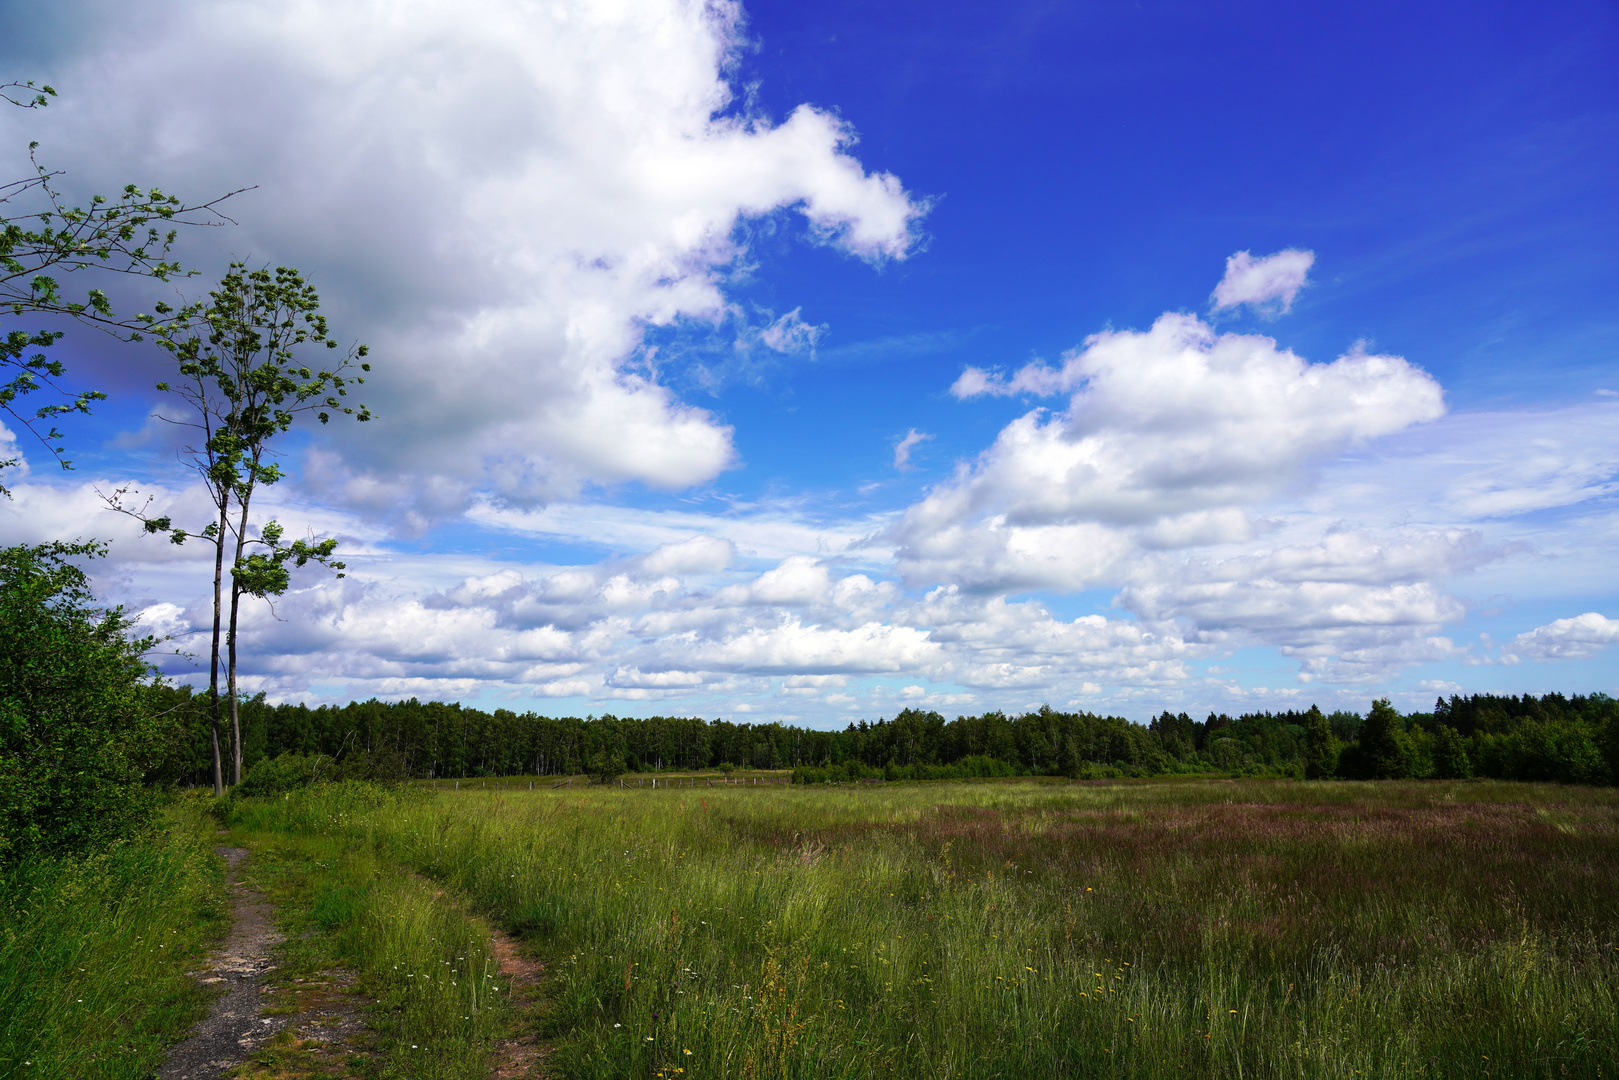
76,734
1450,758
605,767
380,766
272,776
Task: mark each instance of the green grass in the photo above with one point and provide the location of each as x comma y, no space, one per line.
93,952
1170,928
426,981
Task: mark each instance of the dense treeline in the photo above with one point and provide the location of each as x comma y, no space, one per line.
1569,739
86,737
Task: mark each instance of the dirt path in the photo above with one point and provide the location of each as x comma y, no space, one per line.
321,1024
522,1054
233,1026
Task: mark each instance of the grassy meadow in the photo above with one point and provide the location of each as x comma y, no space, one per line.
418,965
1164,928
94,951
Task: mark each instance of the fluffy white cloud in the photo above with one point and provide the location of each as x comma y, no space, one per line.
763,604
1578,638
683,624
995,644
793,648
499,204
1174,475
581,631
1348,606
504,204
1269,283
1172,431
700,554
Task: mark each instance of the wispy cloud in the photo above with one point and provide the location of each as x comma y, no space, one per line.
1267,284
903,448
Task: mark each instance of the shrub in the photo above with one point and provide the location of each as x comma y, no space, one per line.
275,775
381,766
605,767
76,736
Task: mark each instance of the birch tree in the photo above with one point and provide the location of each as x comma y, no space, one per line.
250,367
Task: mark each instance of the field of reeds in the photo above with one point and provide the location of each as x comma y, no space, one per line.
1186,928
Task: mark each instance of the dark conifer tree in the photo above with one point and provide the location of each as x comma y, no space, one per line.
1321,748
1382,751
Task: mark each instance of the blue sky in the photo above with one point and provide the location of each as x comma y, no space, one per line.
657,291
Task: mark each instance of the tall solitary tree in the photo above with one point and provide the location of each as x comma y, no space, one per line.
246,374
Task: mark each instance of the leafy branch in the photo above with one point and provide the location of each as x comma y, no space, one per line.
132,233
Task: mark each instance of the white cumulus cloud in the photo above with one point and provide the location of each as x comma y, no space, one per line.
1173,421
500,200
1578,638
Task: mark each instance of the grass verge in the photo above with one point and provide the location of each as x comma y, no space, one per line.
94,952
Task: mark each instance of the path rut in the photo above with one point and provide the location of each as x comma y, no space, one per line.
523,1054
233,1026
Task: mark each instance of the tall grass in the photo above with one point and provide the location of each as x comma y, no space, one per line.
94,952
427,979
1251,929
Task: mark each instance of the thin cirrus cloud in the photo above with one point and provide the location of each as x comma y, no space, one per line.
499,205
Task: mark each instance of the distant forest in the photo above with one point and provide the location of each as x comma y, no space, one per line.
1566,739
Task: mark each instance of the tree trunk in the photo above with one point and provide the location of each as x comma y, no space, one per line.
230,692
213,652
230,639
